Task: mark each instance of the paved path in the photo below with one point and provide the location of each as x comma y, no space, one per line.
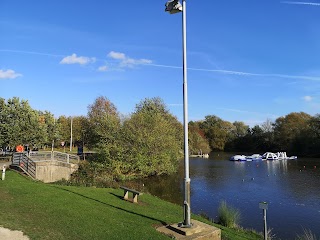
6,234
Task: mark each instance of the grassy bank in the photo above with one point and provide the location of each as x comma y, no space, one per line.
48,211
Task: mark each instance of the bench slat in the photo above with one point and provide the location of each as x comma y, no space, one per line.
134,192
131,190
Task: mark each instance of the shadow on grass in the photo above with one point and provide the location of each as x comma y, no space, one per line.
119,208
120,197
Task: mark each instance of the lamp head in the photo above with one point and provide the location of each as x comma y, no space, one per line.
173,6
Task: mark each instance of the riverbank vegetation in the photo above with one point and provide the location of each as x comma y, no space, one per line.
49,211
307,235
149,141
228,216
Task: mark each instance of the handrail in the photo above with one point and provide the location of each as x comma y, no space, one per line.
25,164
53,156
27,161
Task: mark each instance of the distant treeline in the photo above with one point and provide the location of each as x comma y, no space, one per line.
150,140
295,133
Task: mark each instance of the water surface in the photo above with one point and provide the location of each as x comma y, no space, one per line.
291,188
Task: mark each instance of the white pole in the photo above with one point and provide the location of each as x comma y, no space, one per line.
265,224
52,144
3,172
71,136
187,211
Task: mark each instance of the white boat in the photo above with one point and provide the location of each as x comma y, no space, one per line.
254,157
282,155
238,158
269,156
277,156
265,156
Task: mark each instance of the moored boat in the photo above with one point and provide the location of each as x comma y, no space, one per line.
254,157
269,156
238,158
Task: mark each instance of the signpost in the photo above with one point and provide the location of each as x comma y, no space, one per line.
264,206
19,148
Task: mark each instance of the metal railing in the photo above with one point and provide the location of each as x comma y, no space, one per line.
27,161
22,161
53,156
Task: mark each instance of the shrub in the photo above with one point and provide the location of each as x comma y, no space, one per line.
228,216
307,235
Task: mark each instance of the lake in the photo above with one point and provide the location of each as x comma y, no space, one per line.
290,187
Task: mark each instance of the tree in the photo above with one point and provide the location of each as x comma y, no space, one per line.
50,126
267,126
152,139
64,129
217,131
197,140
3,123
79,129
288,128
21,124
240,129
308,141
104,126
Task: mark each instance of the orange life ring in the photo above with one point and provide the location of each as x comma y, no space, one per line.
19,148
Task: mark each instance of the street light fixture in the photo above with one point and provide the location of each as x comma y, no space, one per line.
174,6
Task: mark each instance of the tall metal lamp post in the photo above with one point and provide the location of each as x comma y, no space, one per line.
174,6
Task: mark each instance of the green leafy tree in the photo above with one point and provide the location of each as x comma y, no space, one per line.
3,123
217,131
22,124
240,129
79,129
314,136
50,126
64,129
103,128
288,128
152,139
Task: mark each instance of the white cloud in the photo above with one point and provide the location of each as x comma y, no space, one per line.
9,74
127,61
73,59
103,69
116,55
307,98
301,3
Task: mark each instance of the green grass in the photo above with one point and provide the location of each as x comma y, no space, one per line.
228,216
49,211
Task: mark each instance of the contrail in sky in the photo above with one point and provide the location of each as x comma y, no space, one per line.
29,52
301,3
312,78
222,71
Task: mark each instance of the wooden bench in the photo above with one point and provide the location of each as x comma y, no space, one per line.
134,192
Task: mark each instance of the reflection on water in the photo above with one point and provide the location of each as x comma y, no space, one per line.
291,187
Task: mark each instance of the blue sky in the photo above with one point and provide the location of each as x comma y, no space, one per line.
248,60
